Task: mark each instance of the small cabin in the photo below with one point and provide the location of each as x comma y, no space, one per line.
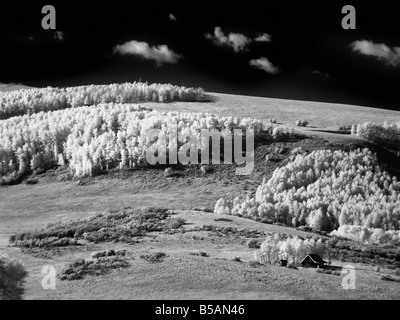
313,261
283,263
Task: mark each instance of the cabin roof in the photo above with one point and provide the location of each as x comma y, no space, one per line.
315,258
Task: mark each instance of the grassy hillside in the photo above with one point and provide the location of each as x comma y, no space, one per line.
320,115
208,256
12,86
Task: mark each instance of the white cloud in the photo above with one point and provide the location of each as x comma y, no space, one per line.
237,41
58,35
219,38
380,51
263,37
264,64
172,17
160,54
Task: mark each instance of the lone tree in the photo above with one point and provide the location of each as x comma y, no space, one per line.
319,220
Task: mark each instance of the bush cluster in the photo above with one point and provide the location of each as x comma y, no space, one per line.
102,265
120,225
88,140
29,101
324,190
153,257
368,235
386,134
301,123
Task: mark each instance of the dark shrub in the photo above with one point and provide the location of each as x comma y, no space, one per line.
12,275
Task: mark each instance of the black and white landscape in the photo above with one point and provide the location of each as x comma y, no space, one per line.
199,151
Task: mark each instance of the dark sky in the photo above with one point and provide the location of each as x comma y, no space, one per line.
309,46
